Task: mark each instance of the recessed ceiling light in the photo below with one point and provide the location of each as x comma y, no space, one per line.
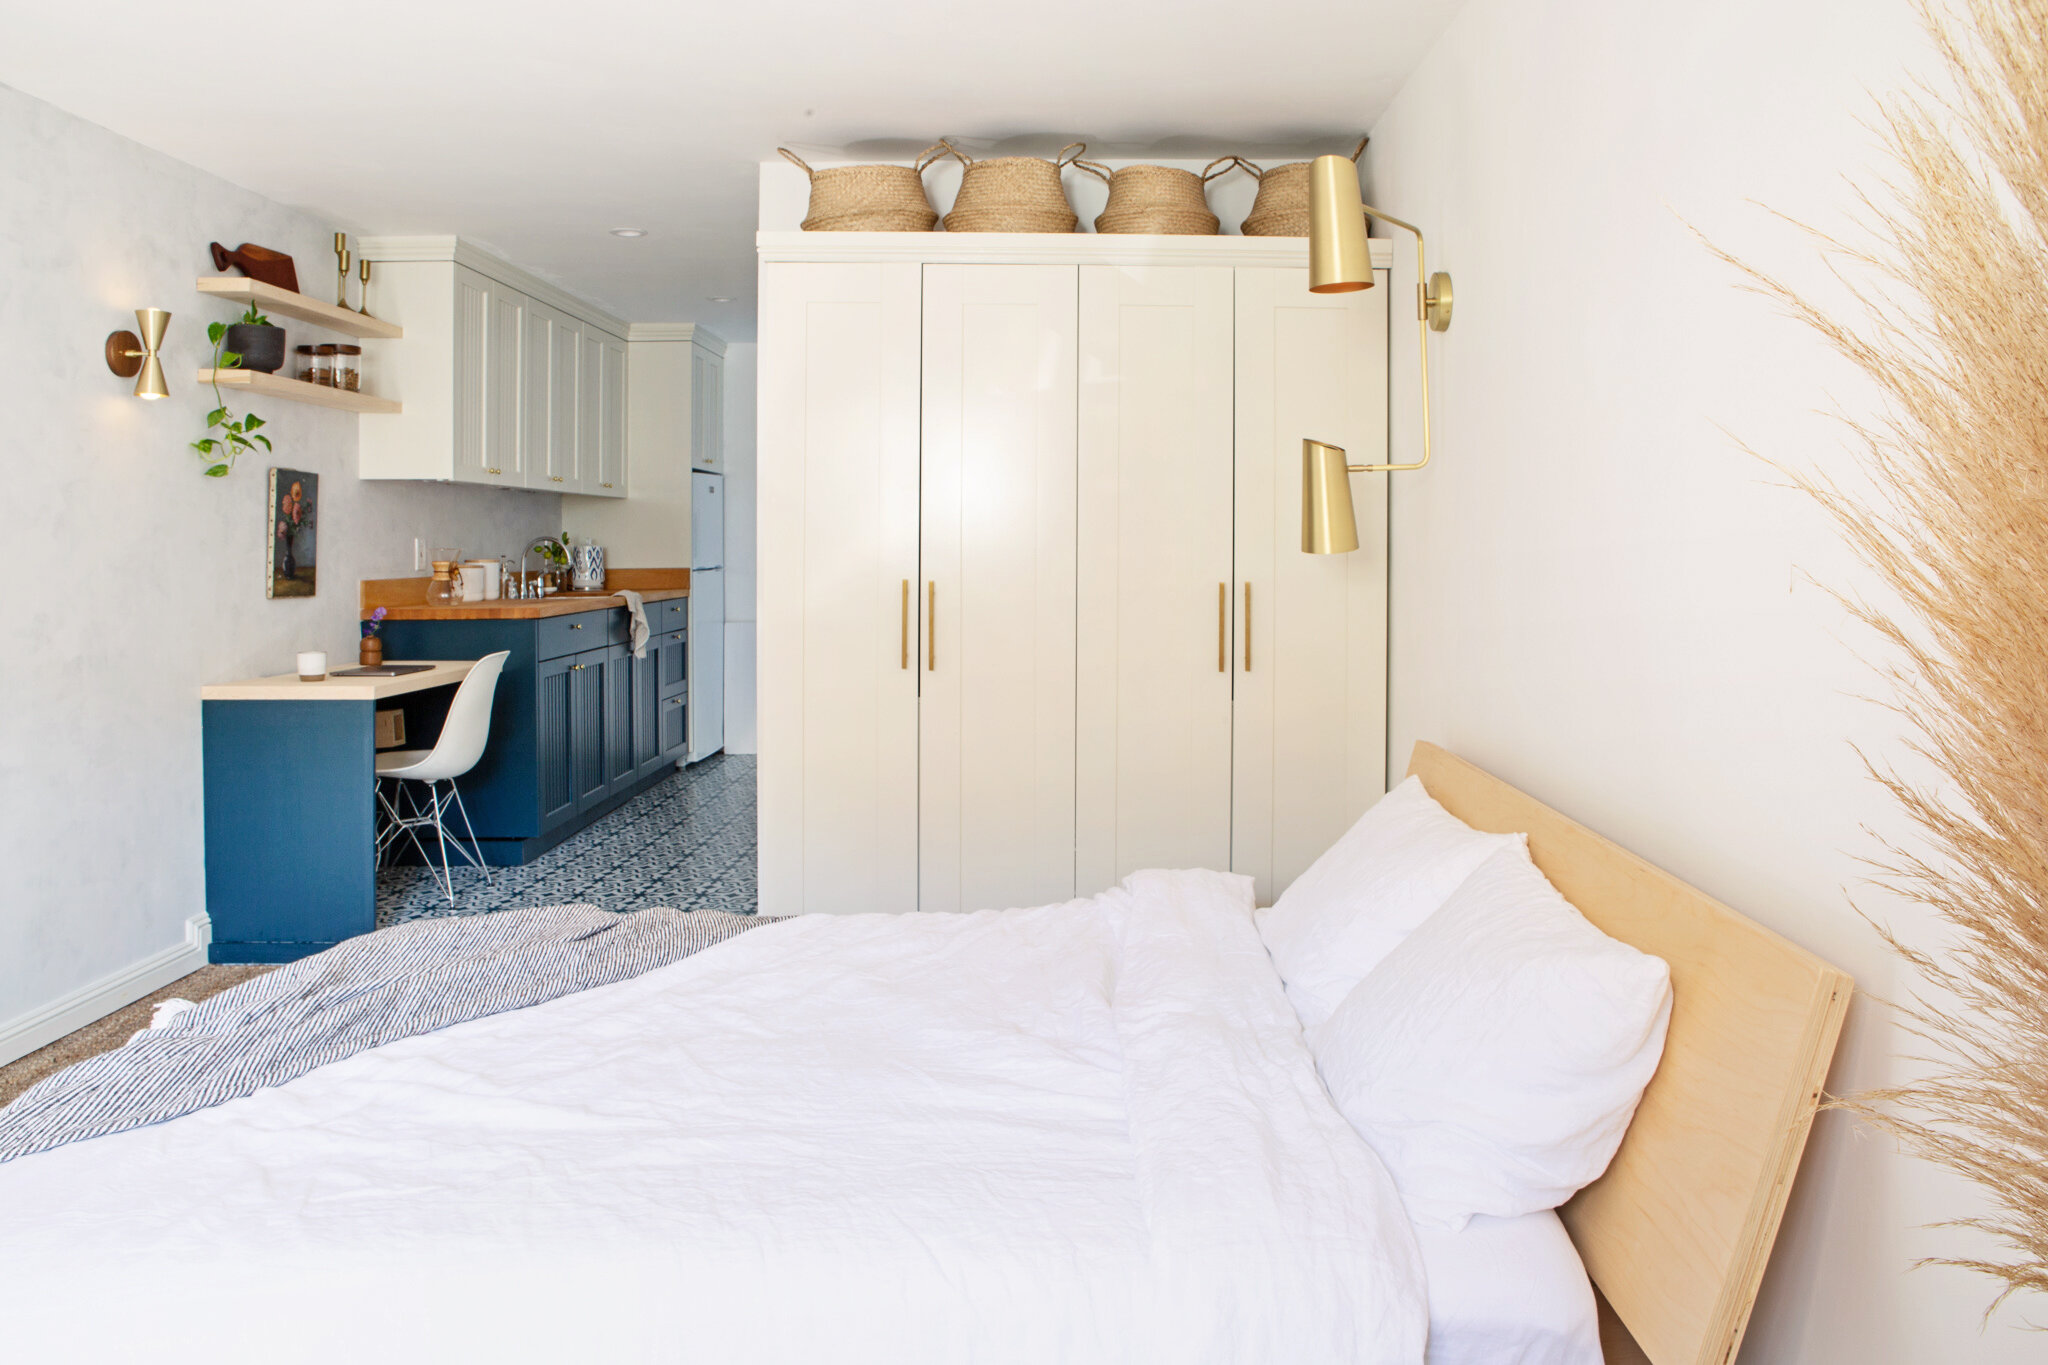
718,300
629,232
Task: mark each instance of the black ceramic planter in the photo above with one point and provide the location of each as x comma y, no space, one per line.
261,348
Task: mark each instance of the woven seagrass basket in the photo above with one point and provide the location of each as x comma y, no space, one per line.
1281,209
1162,199
1013,193
876,198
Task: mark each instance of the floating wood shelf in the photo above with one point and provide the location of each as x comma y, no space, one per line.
270,299
298,391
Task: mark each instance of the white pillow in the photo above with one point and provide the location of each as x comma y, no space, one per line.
1495,1058
1387,874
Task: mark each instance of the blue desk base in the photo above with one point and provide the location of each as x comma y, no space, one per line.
291,825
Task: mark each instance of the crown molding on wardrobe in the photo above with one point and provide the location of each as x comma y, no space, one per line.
1044,248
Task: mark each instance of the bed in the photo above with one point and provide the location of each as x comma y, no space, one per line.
1082,1132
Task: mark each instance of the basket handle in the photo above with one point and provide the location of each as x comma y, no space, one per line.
958,155
926,157
1094,168
1064,160
1359,150
797,161
1252,168
1209,172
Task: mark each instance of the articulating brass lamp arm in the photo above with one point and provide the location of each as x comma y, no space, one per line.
1432,314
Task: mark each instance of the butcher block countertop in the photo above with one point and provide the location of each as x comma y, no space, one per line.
404,599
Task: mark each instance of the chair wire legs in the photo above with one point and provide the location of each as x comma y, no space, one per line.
406,815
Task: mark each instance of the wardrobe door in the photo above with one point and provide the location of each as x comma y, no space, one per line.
1155,616
1311,698
996,715
838,573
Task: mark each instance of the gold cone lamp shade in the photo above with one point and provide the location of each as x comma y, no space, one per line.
151,383
1328,525
1339,260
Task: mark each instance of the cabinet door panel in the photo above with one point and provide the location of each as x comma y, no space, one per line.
535,393
646,713
996,715
675,728
1310,726
556,740
587,727
565,361
618,719
1155,626
838,460
505,375
472,350
611,423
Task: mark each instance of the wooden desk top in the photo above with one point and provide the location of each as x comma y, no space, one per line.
287,687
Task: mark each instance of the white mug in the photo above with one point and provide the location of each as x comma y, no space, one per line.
470,578
312,666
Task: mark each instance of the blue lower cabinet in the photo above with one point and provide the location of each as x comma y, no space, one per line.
675,733
570,730
290,826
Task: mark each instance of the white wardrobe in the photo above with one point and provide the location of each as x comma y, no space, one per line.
1033,611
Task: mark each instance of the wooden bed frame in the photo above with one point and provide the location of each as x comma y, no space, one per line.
1677,1233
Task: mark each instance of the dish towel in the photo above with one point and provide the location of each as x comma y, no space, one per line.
639,615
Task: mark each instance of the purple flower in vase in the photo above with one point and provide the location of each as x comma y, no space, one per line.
375,624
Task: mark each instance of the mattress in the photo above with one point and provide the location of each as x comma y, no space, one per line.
1508,1291
1087,1132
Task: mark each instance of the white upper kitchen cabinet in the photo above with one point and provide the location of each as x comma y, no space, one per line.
490,373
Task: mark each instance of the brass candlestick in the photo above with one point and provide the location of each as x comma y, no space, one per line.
363,271
341,255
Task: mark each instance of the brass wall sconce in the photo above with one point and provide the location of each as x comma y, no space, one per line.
129,355
1340,261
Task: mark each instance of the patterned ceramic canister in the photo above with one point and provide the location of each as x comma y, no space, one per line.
586,567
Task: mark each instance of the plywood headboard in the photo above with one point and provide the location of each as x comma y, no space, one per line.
1677,1233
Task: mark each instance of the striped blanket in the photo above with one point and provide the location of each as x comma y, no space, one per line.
396,983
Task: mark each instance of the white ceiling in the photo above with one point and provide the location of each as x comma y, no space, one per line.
535,127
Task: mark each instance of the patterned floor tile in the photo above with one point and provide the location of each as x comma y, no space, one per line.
687,843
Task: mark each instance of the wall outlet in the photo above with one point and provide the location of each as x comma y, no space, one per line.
419,553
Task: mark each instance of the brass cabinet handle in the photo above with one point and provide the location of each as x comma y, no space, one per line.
1246,627
1222,627
575,625
554,478
494,470
604,485
903,623
931,628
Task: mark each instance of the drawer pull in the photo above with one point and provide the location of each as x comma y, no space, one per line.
575,625
554,478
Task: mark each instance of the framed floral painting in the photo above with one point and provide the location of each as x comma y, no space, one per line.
294,505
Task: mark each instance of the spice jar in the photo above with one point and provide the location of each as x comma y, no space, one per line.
348,367
302,363
323,364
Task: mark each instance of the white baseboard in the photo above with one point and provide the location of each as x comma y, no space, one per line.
96,1000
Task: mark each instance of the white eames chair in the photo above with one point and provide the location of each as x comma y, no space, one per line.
461,744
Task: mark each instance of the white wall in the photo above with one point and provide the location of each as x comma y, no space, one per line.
133,579
740,504
1598,596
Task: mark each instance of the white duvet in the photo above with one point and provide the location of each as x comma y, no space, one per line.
1087,1132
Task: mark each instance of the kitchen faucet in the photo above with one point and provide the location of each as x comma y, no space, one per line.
531,587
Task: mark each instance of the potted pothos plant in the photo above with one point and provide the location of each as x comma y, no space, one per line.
228,435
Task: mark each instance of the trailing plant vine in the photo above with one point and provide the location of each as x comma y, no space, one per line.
228,435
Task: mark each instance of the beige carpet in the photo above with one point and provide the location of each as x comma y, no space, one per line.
109,1033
